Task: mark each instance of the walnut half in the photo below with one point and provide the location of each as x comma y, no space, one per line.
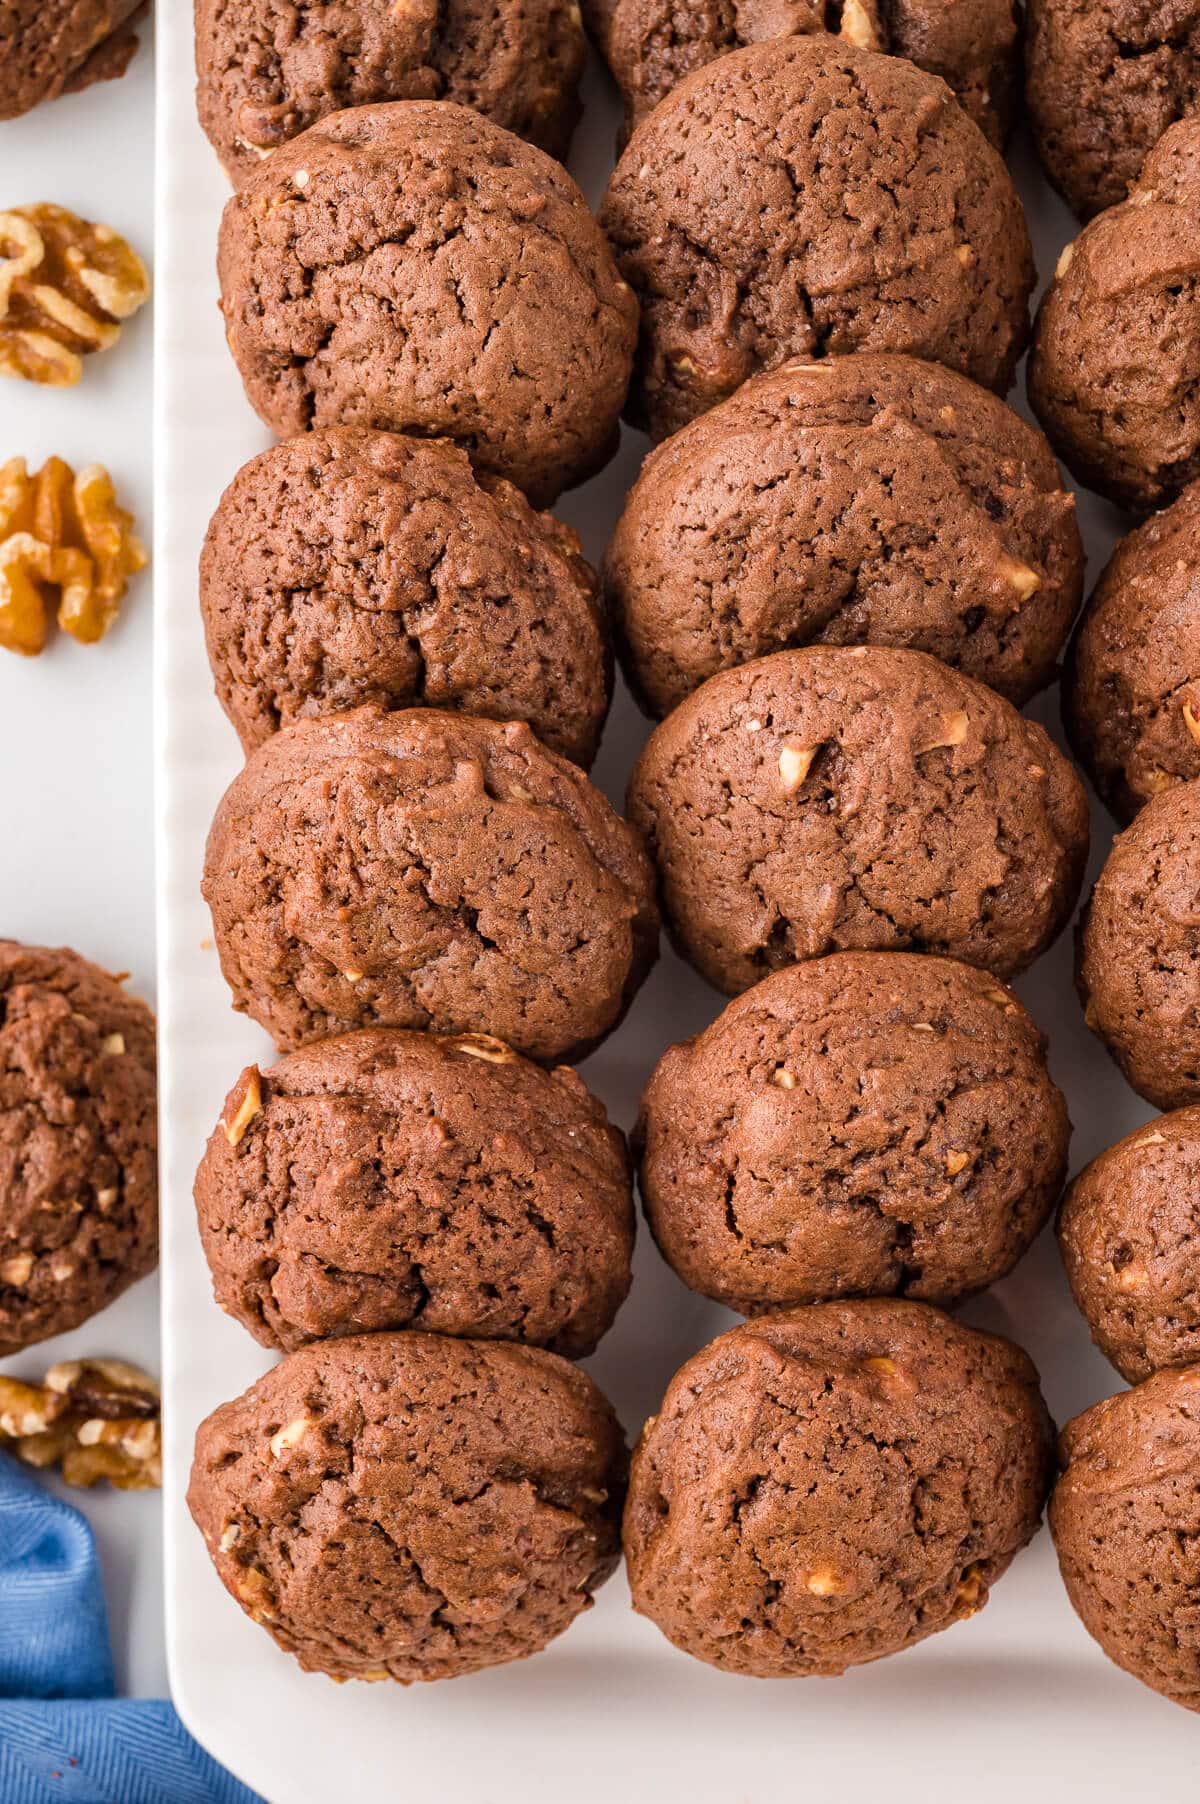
65,533
65,287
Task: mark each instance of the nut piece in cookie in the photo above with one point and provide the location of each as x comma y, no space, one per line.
804,198
1139,950
415,267
427,870
391,1180
866,1124
1112,375
78,1140
1128,1230
866,499
926,815
1123,1517
1131,686
267,70
825,1486
352,566
407,1506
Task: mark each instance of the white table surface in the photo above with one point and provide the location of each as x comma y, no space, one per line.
76,814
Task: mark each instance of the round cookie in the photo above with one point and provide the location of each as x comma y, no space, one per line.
857,799
399,1180
266,69
825,1486
1139,950
803,198
1124,1520
1128,1231
1114,375
53,47
974,47
422,869
867,1124
406,1506
1104,80
1131,686
78,1142
415,267
868,498
352,566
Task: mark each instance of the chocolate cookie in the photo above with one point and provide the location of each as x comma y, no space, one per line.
867,498
417,268
404,1506
867,1124
1123,1517
829,1485
855,799
1131,687
1128,1232
802,198
421,869
268,69
78,1142
1113,374
1104,80
353,566
53,47
401,1180
974,47
1139,950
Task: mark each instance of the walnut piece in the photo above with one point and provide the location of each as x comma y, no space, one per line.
65,287
65,532
94,1418
247,1109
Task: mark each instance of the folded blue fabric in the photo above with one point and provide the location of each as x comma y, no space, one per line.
64,1739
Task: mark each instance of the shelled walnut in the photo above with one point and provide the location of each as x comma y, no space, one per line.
66,285
94,1418
63,532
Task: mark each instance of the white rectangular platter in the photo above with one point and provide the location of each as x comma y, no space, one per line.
1016,1699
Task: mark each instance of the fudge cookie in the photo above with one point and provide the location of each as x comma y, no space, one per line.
421,869
395,1180
802,198
1131,687
865,1124
855,799
975,47
404,1506
1139,950
1116,354
267,69
353,566
1128,1231
1124,1521
78,1142
1104,80
826,1486
867,498
53,47
415,267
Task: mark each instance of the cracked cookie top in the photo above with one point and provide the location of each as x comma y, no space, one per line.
353,566
844,798
415,267
870,1123
78,1142
424,869
392,1180
829,1485
859,499
268,69
406,1506
803,198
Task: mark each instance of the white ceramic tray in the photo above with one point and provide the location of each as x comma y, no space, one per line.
1018,1697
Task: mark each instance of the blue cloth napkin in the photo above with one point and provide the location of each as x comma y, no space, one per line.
64,1739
